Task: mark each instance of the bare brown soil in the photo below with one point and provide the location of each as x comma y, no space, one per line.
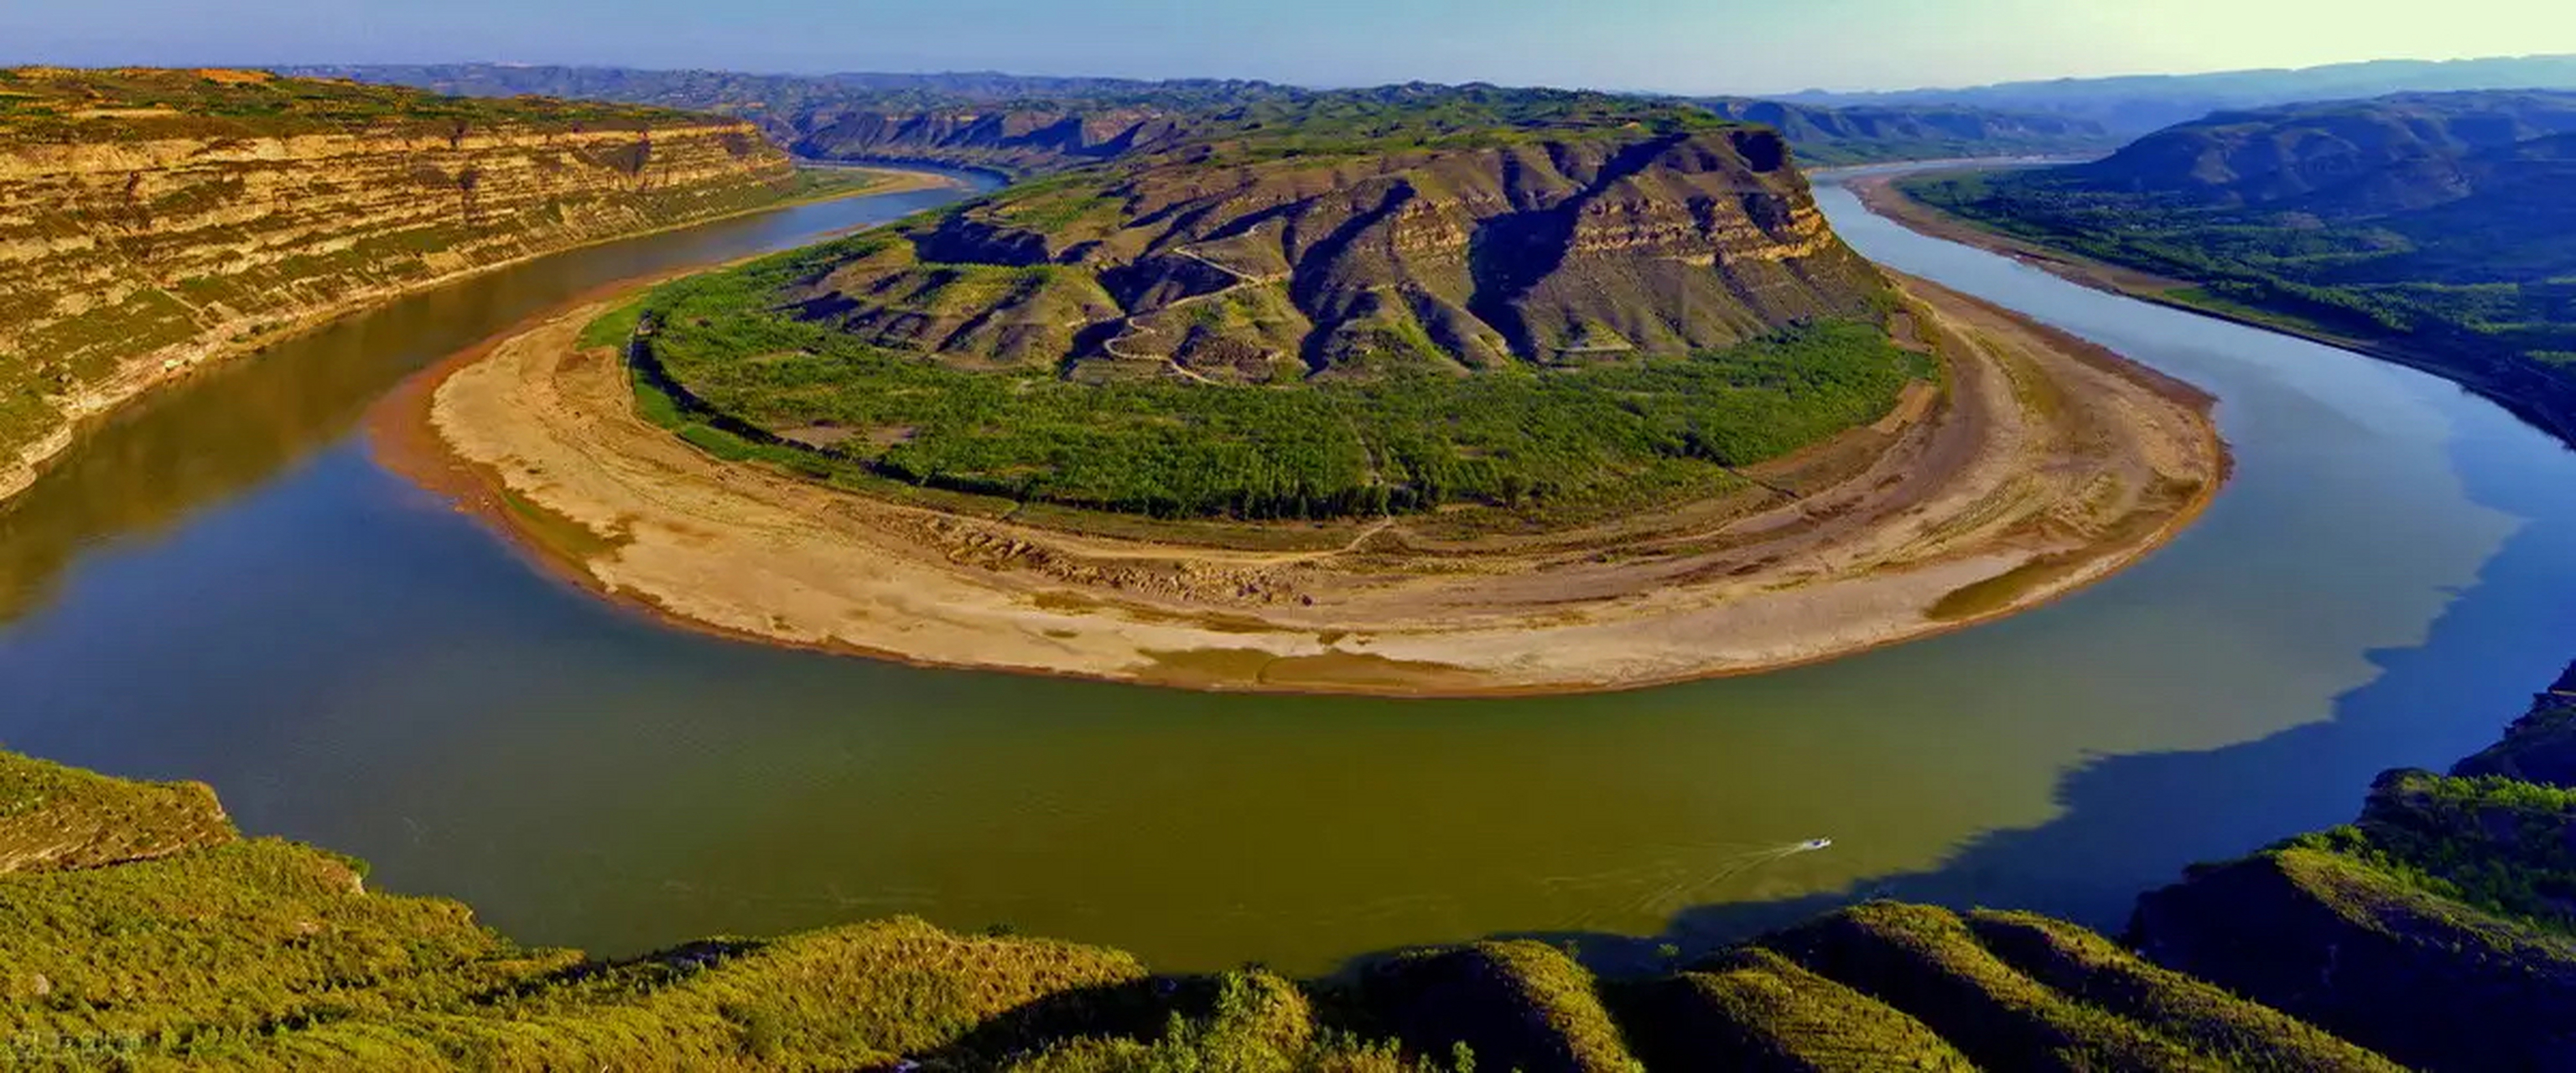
2041,464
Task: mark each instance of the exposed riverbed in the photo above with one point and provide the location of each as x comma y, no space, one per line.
224,585
2039,464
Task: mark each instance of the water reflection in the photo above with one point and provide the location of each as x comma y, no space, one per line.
245,422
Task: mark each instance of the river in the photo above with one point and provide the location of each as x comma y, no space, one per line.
224,585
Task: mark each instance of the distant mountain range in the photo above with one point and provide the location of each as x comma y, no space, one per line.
2134,105
1020,124
1867,133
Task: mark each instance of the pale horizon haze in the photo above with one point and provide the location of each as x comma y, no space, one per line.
1709,46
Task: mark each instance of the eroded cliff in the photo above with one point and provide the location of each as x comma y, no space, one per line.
152,220
1236,262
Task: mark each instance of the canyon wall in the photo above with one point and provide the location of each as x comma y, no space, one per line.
143,233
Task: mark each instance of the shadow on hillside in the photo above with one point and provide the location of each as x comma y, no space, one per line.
1135,1010
2130,823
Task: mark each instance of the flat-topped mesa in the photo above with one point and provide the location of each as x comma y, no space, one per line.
1235,261
151,219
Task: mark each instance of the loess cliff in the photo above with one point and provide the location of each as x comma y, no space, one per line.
151,220
1228,264
1511,298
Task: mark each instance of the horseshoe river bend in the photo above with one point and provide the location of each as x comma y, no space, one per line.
223,584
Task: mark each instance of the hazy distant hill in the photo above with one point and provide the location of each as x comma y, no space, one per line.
1865,133
2442,225
2267,155
2137,104
1022,123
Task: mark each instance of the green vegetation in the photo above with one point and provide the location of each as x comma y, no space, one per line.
52,816
1755,1010
1118,339
2435,225
2097,972
41,104
1613,432
1519,1005
216,945
1929,963
2501,845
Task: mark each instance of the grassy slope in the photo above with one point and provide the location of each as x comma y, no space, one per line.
1518,1004
52,816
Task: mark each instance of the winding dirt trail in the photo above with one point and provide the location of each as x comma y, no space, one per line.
2042,464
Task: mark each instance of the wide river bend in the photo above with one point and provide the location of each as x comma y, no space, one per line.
222,584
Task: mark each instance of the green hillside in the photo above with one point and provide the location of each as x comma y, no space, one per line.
2442,226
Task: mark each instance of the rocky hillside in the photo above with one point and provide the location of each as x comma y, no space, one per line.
2434,933
1547,302
1023,124
150,220
1236,262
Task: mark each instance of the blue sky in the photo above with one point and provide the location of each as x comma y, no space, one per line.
1677,45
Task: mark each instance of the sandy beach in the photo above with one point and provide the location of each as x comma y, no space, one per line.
2042,464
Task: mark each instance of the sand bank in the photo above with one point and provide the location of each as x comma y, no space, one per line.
2042,464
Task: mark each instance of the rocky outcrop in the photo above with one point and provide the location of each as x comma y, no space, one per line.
1565,249
176,234
2539,747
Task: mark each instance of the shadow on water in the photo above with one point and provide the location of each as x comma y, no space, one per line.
2474,672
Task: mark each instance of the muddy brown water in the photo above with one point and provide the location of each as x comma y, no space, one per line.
223,585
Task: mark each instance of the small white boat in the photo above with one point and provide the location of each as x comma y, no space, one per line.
1815,843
